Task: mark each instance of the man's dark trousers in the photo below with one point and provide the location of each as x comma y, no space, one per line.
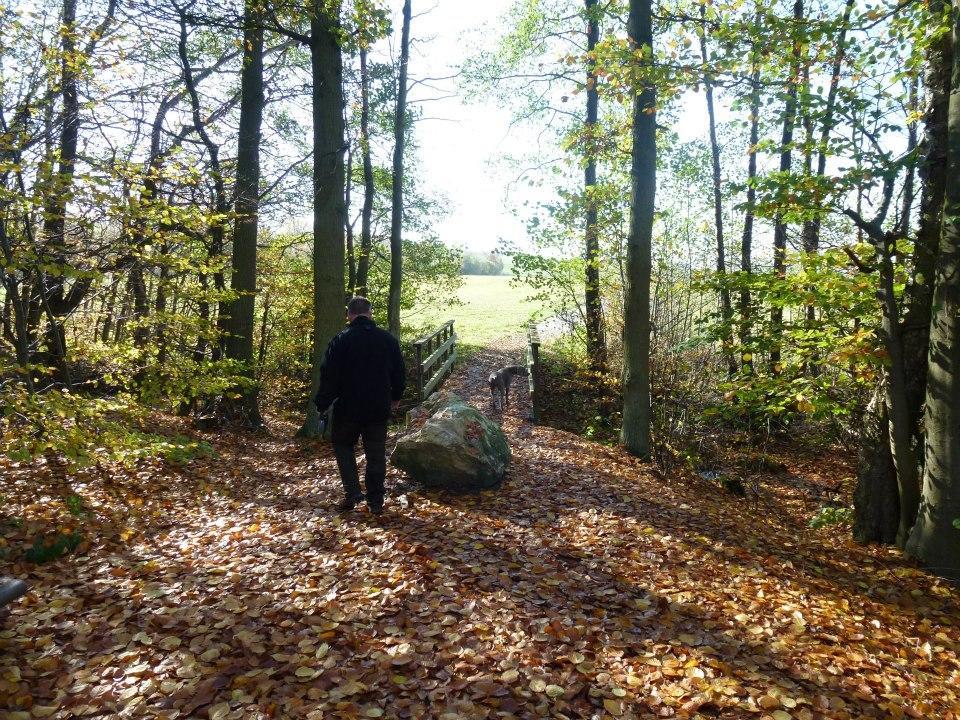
345,434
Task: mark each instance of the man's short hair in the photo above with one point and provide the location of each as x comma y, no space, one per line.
359,306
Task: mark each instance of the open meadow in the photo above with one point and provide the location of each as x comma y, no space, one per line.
489,307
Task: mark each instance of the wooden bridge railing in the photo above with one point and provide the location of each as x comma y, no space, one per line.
533,365
434,356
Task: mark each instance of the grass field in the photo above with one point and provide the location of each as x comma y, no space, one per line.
490,308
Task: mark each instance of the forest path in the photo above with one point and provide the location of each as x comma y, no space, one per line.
587,586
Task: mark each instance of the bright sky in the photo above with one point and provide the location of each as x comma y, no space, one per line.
458,141
461,143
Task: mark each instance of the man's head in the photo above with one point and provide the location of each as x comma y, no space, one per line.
359,307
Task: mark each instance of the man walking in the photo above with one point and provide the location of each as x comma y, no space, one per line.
363,377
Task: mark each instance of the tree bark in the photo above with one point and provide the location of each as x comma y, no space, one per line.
243,278
396,210
348,229
593,300
746,241
326,63
906,211
366,216
876,500
811,228
217,228
635,434
786,160
918,296
53,285
935,538
726,306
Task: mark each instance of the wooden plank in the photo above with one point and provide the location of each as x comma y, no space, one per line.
426,338
533,335
436,354
438,378
418,353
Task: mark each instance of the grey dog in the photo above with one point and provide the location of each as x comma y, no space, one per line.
500,384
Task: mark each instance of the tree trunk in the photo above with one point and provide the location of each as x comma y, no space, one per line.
786,160
643,184
593,301
108,313
58,195
876,500
396,210
366,217
160,304
217,228
904,458
906,212
746,242
935,539
918,296
811,228
328,185
11,286
351,256
726,306
243,279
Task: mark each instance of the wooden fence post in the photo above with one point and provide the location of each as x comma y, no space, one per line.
418,350
533,367
434,356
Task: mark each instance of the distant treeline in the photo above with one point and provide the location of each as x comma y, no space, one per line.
482,264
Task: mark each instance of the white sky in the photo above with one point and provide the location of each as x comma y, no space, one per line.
458,141
461,143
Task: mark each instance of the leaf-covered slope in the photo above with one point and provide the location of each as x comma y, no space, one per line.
588,586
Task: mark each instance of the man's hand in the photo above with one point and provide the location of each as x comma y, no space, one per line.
395,405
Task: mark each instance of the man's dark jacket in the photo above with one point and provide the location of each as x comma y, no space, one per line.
363,371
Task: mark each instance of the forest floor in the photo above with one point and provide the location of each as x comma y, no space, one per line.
588,586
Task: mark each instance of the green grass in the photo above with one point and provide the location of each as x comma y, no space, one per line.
490,308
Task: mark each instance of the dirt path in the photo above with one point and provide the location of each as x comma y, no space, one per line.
587,587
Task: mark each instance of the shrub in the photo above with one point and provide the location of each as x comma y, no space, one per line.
829,516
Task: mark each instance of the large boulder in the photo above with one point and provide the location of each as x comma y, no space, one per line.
457,449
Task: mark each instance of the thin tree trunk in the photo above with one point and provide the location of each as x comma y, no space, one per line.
351,256
328,185
108,312
217,229
160,305
786,160
53,285
746,242
643,184
203,312
21,341
239,341
726,306
264,333
811,228
935,539
593,301
906,207
366,217
396,210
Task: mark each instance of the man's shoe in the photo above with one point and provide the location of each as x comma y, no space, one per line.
375,508
348,504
